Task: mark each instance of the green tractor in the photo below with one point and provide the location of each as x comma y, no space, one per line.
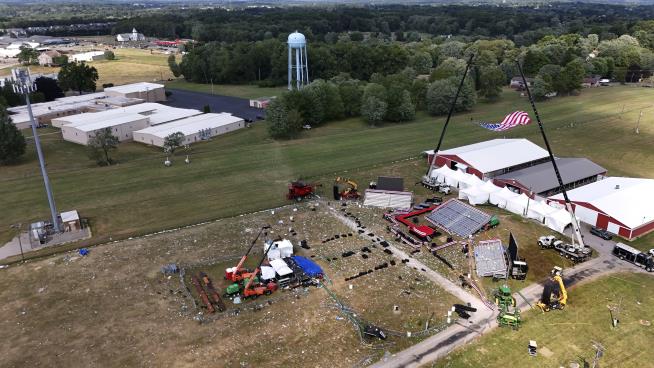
235,288
493,222
509,313
504,298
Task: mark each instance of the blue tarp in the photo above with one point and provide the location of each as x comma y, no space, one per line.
83,251
308,266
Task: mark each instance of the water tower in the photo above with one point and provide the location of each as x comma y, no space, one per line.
298,71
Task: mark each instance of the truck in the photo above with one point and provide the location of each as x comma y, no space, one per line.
431,183
575,252
633,255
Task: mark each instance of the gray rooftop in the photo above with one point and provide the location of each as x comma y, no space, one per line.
541,178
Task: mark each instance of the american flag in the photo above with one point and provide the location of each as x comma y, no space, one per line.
512,120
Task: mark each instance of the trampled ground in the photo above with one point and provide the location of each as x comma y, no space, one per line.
114,308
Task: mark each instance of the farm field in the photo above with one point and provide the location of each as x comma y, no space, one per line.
119,309
130,66
567,336
247,171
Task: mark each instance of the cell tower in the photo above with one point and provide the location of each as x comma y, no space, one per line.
298,43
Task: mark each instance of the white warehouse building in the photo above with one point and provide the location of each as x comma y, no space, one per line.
195,128
121,126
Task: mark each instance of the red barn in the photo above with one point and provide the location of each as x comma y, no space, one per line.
623,206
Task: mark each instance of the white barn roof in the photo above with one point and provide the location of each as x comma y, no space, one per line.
107,123
496,154
628,200
191,125
157,113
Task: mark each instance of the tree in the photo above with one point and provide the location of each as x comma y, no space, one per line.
351,93
78,77
12,141
282,122
440,95
491,80
174,67
406,110
356,36
49,88
28,55
373,109
109,55
572,75
541,88
421,62
173,141
101,144
448,68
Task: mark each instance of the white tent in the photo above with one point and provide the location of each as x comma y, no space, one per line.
474,195
518,204
489,187
501,197
539,210
281,268
440,173
454,177
558,220
280,249
471,180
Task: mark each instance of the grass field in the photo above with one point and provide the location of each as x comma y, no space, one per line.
567,336
246,171
130,66
242,90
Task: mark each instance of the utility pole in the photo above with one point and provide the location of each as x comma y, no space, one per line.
22,83
638,123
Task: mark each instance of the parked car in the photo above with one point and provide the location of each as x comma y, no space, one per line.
601,233
605,82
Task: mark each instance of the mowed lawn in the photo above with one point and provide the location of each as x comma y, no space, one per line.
247,171
567,336
243,90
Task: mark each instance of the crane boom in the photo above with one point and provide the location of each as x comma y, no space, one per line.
568,204
563,297
258,269
245,256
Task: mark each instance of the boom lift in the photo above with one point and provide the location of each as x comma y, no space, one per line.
351,192
554,296
250,290
236,274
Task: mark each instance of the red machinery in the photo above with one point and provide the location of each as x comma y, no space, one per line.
238,273
260,289
299,189
421,231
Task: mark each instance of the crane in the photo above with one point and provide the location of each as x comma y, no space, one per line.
427,180
237,273
576,248
249,290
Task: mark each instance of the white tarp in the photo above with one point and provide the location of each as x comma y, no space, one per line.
267,273
280,249
471,180
558,220
501,197
388,199
281,268
539,210
518,204
489,187
474,195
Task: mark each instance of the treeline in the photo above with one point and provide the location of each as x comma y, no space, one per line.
524,25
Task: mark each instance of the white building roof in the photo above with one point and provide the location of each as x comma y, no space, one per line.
134,87
69,216
497,154
281,267
84,55
157,113
191,125
106,123
628,200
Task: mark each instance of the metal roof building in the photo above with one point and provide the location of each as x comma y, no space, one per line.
157,114
121,126
149,92
623,206
195,128
491,158
541,180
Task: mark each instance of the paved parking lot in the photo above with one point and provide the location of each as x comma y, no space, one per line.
197,100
